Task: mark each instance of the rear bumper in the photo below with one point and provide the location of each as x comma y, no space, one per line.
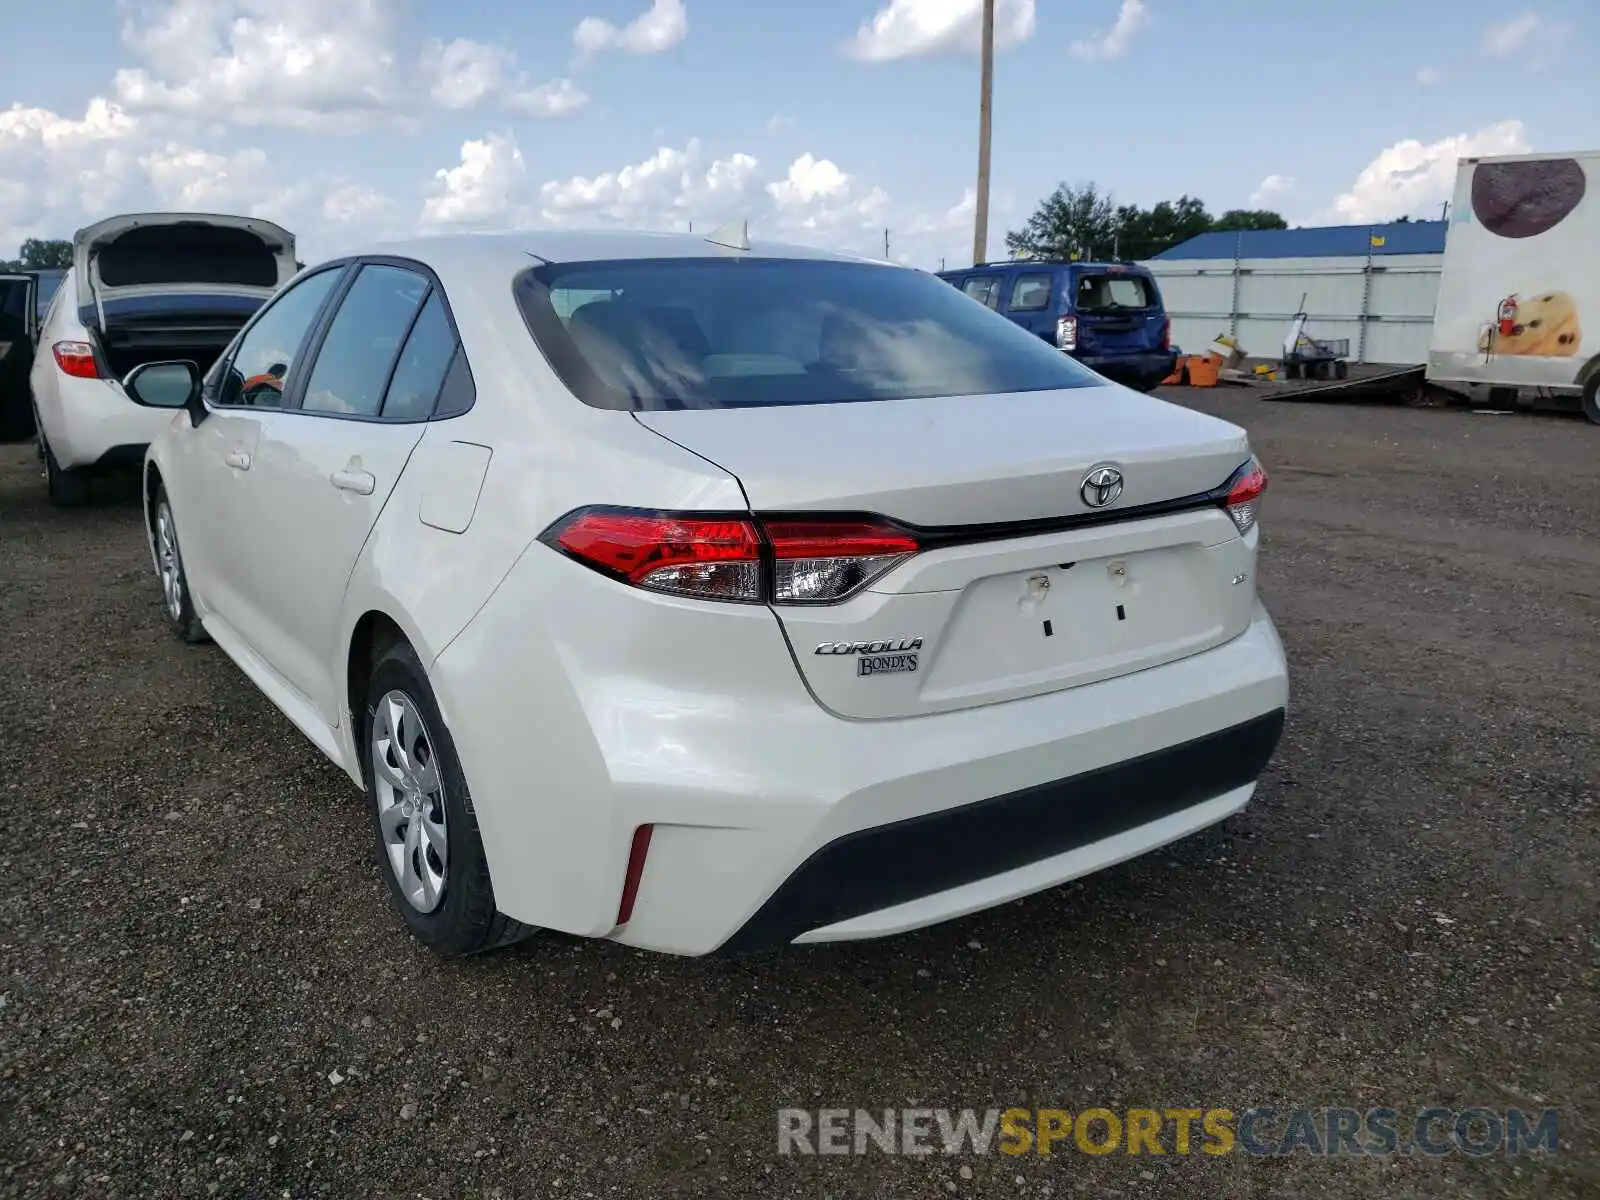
771,816
92,423
909,863
1138,369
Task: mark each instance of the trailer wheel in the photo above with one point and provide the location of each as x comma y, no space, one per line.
1291,370
1591,398
1341,370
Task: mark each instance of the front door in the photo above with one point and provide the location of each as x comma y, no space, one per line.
216,515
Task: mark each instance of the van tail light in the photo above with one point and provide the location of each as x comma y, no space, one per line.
1067,333
1243,492
1166,334
76,359
784,560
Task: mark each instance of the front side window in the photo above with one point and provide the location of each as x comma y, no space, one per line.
259,372
363,340
725,333
985,289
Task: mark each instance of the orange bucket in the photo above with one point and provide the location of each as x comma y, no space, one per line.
1204,370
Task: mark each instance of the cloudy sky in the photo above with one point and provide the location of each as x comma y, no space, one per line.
825,121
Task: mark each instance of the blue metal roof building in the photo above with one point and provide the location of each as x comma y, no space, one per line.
1325,241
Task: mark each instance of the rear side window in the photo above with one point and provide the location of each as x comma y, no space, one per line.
420,373
363,341
1030,292
985,289
1103,293
726,333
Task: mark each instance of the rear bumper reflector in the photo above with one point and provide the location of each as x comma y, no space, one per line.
630,882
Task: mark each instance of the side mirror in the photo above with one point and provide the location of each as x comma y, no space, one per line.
163,384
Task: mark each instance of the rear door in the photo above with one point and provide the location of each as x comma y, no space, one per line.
1119,310
18,330
325,466
1030,301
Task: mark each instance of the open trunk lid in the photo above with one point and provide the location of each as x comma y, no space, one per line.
1021,586
130,268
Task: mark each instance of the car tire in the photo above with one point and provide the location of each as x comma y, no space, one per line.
1591,398
176,600
419,802
68,487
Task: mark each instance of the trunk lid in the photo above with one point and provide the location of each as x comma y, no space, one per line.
129,267
1022,587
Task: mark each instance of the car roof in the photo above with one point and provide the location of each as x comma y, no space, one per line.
558,246
1045,264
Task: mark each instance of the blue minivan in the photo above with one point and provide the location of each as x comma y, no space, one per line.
1108,316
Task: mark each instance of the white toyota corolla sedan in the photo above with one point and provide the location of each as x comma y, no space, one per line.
710,597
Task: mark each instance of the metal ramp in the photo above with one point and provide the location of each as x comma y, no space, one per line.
1383,385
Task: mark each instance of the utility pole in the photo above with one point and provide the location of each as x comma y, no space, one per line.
980,212
886,244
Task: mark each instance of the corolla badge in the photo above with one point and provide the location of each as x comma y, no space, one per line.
1101,486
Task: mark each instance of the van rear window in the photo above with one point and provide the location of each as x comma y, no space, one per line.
727,333
1112,293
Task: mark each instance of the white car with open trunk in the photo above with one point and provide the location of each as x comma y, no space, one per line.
709,597
144,287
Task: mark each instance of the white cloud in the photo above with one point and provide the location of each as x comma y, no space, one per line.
1411,177
305,64
556,98
465,73
1428,76
777,123
1271,189
1508,37
812,199
482,188
662,26
907,28
1132,18
356,204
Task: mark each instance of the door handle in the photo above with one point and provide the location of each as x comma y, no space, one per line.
238,460
360,482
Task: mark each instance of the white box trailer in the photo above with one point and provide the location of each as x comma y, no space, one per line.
1518,314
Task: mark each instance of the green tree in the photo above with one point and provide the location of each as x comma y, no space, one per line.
37,254
1247,218
1084,222
1071,222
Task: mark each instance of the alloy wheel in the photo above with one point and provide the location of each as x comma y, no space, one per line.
410,794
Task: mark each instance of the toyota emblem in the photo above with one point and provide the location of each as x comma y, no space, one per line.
1101,486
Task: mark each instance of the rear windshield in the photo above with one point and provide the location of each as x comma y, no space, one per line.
1112,293
726,333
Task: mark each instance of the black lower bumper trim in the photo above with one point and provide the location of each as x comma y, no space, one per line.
878,868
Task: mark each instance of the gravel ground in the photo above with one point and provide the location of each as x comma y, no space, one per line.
204,992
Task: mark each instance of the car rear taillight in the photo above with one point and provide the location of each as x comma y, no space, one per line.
1067,333
785,560
1166,334
822,561
1244,490
76,359
715,558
